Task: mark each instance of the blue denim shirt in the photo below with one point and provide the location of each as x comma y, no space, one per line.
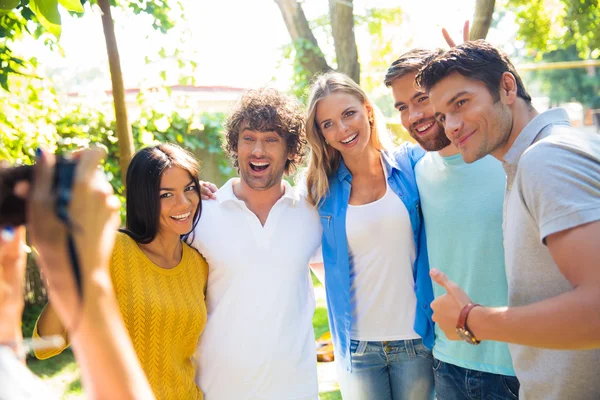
332,210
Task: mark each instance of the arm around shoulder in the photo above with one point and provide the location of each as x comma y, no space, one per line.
415,152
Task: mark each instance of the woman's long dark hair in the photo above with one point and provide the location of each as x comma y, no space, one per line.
143,189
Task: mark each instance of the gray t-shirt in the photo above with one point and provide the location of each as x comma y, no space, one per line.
553,184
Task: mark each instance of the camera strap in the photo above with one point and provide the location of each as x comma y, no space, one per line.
75,263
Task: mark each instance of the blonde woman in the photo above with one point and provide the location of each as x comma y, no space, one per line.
374,249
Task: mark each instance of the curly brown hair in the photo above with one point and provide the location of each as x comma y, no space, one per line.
268,110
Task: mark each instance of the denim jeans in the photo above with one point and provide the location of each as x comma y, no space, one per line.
457,383
394,370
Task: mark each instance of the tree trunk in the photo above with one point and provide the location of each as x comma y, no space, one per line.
308,52
124,135
342,26
484,10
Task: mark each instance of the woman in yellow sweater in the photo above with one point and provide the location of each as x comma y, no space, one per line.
159,280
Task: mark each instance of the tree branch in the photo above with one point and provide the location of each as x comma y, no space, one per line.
124,135
484,10
342,26
310,55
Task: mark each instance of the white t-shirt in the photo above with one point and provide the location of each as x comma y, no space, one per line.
382,254
259,341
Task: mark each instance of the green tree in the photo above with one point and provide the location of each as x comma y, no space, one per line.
337,28
565,85
548,25
309,58
339,25
17,15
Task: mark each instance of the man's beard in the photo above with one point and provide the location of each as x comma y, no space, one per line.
268,181
436,142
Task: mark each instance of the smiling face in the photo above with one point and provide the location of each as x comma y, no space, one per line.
474,121
416,114
178,201
262,157
344,123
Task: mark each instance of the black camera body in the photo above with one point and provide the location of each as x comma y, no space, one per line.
13,208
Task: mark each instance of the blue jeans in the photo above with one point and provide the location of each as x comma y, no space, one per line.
457,383
395,370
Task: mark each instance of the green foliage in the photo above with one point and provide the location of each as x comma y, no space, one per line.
330,395
297,52
13,26
534,22
565,85
7,5
27,121
48,15
37,119
30,315
320,321
382,50
376,21
37,18
59,373
159,10
549,25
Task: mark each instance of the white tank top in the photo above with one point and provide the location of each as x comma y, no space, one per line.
382,255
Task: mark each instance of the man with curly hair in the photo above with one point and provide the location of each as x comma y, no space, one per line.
258,237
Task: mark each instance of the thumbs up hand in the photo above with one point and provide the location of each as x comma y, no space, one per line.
447,307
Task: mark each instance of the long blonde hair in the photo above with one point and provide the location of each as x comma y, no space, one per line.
324,159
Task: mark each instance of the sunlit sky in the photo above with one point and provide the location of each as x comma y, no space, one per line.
235,42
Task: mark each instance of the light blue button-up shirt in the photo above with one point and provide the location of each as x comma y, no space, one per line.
399,165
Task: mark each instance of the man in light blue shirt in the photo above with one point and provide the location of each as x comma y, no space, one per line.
462,210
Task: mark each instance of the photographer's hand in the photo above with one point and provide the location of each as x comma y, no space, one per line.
102,346
49,237
12,271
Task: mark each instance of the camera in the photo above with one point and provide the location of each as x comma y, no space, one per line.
13,208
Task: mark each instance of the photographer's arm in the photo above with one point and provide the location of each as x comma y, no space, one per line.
109,365
12,270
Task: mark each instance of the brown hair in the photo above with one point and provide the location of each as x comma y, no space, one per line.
264,110
409,62
476,60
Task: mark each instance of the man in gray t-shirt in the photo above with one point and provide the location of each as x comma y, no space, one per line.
551,223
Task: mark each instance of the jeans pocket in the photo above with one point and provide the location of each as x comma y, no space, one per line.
423,351
511,384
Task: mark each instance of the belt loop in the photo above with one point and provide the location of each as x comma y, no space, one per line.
410,348
362,346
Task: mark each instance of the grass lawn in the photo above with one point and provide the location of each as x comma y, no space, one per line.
62,374
331,395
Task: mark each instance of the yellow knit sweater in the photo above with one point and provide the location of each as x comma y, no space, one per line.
165,313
